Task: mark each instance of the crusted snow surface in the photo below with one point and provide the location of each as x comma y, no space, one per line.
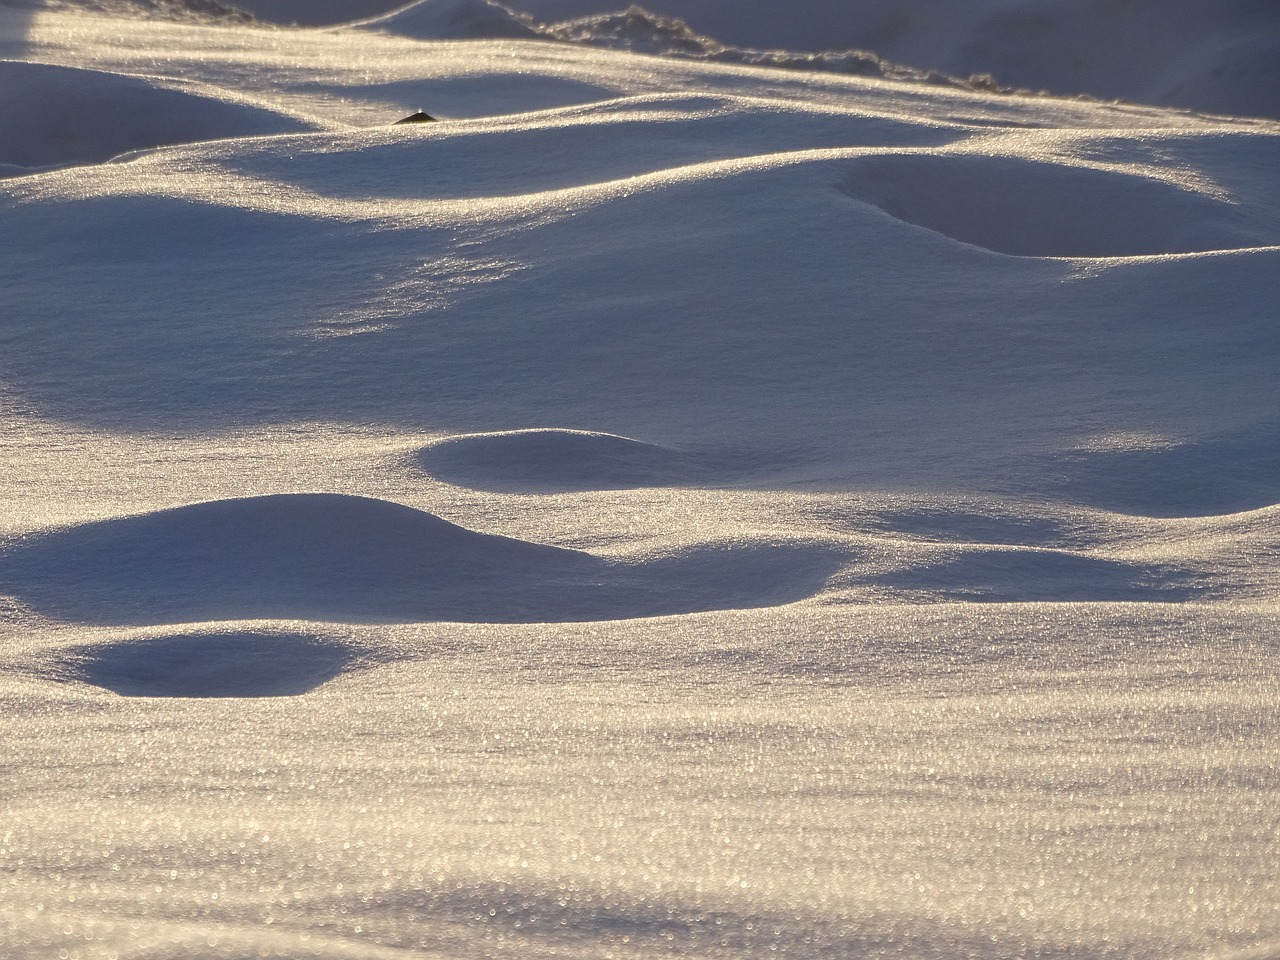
664,508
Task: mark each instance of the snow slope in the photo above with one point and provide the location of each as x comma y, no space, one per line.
1219,58
57,115
665,507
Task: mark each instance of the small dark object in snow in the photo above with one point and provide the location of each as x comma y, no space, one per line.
419,117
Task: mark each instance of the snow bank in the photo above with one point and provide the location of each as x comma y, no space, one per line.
52,115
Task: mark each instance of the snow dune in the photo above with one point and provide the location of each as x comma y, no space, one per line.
764,512
56,115
1220,59
427,273
329,556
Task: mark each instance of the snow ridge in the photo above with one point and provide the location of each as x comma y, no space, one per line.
637,30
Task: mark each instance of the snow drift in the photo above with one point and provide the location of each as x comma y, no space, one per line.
328,556
1032,208
454,19
1222,57
866,580
209,664
55,115
556,460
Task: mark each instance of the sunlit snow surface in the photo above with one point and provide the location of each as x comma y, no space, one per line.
661,508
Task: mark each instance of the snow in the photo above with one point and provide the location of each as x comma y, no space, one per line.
57,115
558,460
210,664
1220,58
336,557
670,505
454,19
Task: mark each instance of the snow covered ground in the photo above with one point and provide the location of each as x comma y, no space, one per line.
669,506
1221,57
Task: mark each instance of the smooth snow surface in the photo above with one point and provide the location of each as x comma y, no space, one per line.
667,507
1221,57
244,664
552,461
291,556
54,115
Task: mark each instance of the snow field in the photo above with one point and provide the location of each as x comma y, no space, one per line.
665,507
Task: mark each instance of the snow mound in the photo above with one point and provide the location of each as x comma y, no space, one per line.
455,20
51,115
1038,208
1221,474
559,460
338,557
237,664
1018,575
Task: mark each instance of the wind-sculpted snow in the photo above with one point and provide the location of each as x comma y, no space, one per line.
556,460
1170,477
52,115
1221,57
1034,208
454,19
634,30
766,513
526,155
326,556
243,664
1009,575
428,273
